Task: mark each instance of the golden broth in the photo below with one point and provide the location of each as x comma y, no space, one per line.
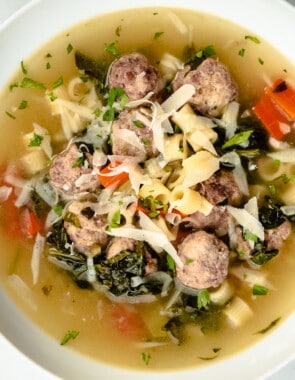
62,306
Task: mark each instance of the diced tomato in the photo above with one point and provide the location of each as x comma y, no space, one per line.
30,225
112,181
128,321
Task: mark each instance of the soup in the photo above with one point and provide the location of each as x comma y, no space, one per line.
59,112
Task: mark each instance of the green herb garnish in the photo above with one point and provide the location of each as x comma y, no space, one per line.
36,140
207,51
157,35
116,220
9,114
23,104
69,48
253,39
24,70
138,124
31,83
71,334
241,52
113,49
270,326
79,162
237,139
146,357
259,290
203,299
57,83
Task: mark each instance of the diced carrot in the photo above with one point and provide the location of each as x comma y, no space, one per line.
30,225
112,181
175,211
271,117
284,96
128,321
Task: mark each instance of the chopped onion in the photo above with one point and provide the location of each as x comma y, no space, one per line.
22,290
35,260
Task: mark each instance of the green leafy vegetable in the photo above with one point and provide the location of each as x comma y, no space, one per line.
31,83
36,140
146,357
253,39
71,334
242,52
23,104
157,35
259,290
207,51
112,48
237,139
116,220
69,48
270,326
24,70
9,114
57,83
203,299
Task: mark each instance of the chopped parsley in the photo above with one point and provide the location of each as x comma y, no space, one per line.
58,209
259,290
69,48
71,334
238,139
79,162
207,51
52,96
146,357
203,299
253,39
33,84
261,61
12,86
36,140
157,35
9,114
116,220
113,49
23,104
138,124
170,263
57,83
24,70
242,52
270,326
48,65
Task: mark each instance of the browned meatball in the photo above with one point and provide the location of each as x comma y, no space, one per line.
135,76
64,172
119,244
216,221
214,86
205,259
139,140
221,187
86,230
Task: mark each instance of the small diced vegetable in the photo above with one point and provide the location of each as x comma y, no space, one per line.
284,96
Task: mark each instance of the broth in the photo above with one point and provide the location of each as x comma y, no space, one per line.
84,310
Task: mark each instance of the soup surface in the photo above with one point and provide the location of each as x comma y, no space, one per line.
146,302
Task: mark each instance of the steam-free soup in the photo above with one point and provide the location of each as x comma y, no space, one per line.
139,227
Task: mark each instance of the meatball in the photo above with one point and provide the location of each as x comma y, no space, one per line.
137,141
221,187
135,76
216,221
86,230
119,244
205,259
275,237
64,172
214,86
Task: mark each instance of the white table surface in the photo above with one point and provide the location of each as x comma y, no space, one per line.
30,371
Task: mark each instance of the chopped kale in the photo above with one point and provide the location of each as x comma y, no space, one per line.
270,214
94,68
58,237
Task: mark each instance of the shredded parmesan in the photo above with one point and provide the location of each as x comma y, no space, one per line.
180,97
247,221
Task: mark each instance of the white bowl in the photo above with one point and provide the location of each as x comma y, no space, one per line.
37,355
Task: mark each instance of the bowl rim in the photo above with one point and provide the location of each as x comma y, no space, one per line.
21,20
